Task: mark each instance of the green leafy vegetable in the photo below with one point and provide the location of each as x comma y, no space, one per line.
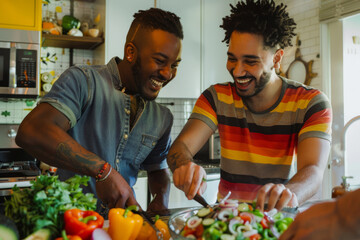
43,205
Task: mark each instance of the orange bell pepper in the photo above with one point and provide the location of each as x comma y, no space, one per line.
148,233
68,237
124,224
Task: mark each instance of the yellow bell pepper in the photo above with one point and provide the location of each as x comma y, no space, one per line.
163,227
124,224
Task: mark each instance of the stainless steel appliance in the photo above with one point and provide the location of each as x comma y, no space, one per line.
211,151
19,63
16,166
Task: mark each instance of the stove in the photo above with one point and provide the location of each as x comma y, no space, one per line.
17,167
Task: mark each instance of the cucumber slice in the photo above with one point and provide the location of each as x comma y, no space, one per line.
208,221
203,212
243,207
8,229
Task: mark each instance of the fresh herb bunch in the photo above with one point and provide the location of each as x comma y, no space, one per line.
43,205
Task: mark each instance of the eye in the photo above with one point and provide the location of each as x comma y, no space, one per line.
231,59
159,61
250,62
174,65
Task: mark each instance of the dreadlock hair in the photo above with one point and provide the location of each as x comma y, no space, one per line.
155,18
263,18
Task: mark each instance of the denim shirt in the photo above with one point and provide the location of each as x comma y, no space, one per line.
99,114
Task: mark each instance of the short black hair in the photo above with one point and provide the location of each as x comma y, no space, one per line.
261,17
155,18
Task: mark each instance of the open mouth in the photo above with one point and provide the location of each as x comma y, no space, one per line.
243,83
156,83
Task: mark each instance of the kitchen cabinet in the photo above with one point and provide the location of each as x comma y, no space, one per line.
213,49
187,83
177,198
21,14
118,17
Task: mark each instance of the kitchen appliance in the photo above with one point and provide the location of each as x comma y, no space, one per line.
19,63
17,167
211,151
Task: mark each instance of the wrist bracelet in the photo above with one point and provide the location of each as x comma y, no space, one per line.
101,171
106,176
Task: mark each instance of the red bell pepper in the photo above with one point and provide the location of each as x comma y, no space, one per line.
82,223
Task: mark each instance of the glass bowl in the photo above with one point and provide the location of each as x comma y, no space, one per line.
177,220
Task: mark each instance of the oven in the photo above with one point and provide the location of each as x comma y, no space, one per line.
17,167
19,63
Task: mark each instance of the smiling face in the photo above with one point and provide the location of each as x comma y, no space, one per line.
156,63
249,63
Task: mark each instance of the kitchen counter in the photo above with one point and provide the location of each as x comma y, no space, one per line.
211,167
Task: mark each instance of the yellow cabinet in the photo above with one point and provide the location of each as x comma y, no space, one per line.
20,14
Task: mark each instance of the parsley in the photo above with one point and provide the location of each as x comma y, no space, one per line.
43,205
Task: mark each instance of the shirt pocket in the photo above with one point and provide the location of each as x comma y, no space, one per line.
148,142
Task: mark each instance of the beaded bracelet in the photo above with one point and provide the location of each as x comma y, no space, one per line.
106,176
101,171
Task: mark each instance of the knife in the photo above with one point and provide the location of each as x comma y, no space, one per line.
151,222
201,200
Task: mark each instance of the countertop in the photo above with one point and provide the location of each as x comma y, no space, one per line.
210,166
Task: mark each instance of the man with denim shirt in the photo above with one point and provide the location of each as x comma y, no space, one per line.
101,121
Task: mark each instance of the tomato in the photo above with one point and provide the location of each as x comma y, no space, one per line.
255,237
199,230
188,231
264,223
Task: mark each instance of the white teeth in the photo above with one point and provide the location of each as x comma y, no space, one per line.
243,80
156,83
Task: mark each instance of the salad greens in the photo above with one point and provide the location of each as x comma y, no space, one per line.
235,221
43,205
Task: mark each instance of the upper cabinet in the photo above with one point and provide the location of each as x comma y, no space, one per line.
118,17
187,83
203,52
214,51
20,14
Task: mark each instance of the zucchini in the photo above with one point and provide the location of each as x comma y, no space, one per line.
208,221
8,229
41,234
203,212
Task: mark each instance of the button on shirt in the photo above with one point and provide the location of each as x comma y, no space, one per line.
99,114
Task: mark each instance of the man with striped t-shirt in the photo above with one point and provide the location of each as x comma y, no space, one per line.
275,133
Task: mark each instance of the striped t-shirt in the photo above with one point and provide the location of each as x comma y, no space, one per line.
259,148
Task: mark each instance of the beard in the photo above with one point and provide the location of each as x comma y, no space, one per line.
136,70
259,85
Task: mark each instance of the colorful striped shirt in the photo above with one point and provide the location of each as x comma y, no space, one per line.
260,148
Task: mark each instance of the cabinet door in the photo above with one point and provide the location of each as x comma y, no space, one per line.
214,51
20,14
119,15
186,84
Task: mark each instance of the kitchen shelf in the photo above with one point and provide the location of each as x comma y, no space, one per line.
66,41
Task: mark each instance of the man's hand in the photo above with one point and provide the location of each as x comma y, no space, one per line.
278,196
318,222
115,191
189,178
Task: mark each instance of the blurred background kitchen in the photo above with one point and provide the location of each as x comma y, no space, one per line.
325,55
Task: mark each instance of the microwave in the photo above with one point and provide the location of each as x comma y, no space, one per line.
19,63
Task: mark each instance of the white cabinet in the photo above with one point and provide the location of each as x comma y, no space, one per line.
118,17
177,198
141,191
187,83
213,49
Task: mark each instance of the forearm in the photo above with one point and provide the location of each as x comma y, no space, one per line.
55,147
306,182
178,155
159,185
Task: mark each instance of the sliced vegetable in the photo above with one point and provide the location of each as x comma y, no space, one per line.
203,212
41,234
8,229
208,221
193,222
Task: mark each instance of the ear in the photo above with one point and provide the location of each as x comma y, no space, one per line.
130,52
277,58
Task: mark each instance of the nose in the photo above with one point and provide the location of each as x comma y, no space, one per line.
238,69
166,73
